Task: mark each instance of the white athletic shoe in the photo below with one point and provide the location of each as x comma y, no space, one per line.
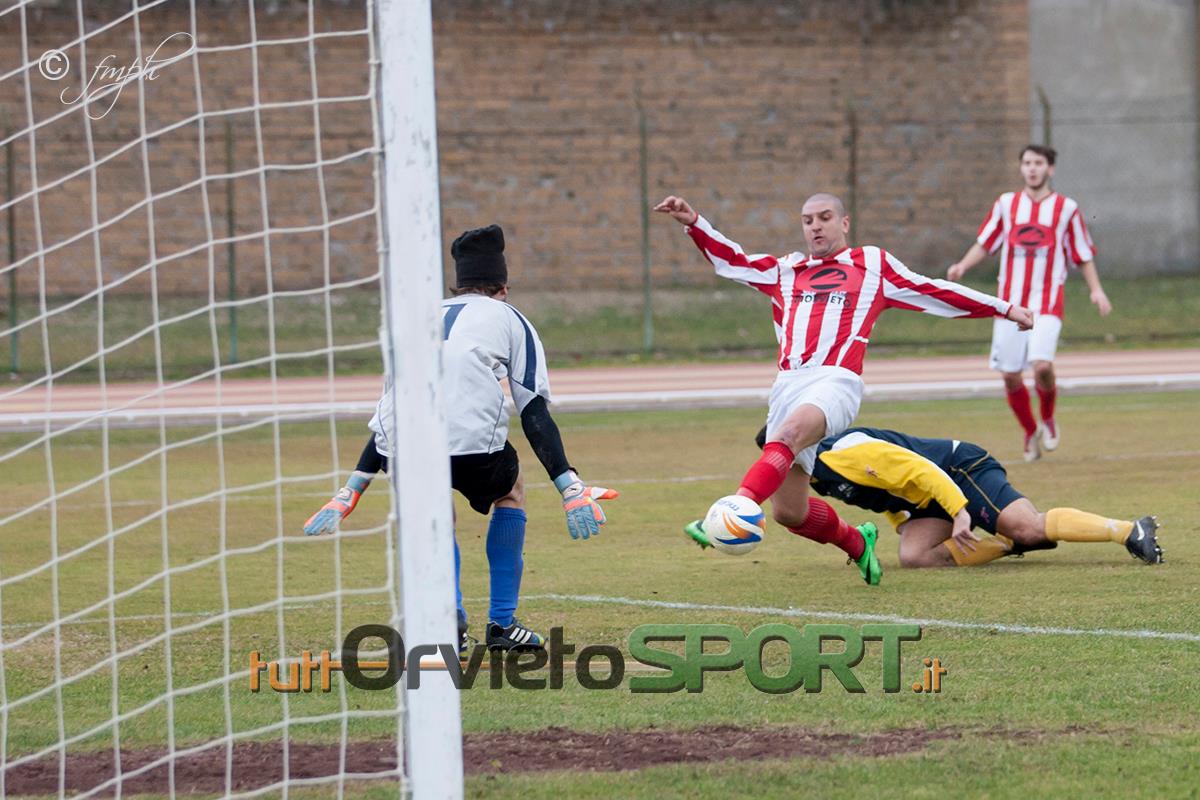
1032,449
1050,434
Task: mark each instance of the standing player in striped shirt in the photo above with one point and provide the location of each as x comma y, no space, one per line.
825,304
1039,233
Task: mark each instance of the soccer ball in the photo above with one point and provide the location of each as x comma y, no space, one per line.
735,524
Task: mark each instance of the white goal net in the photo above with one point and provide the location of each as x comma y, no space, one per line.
209,211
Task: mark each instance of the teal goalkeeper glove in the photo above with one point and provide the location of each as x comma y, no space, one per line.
584,514
329,517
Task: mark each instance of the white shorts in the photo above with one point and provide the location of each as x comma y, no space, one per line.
1013,349
835,390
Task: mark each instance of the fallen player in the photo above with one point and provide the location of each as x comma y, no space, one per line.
936,491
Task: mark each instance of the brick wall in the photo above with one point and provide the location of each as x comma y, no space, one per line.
747,107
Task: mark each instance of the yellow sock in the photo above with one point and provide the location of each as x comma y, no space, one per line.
1073,525
988,548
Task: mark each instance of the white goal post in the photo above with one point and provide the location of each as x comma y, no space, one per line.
421,475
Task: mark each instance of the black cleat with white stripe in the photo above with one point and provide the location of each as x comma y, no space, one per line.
1142,542
515,637
465,640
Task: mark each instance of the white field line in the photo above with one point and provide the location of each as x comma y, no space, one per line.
599,401
991,627
770,611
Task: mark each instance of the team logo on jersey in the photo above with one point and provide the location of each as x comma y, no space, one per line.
828,279
833,284
1031,236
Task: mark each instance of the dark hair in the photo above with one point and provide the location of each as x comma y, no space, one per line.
1048,153
490,290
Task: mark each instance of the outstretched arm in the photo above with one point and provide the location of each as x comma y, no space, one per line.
678,209
544,437
529,383
329,516
904,288
728,258
584,515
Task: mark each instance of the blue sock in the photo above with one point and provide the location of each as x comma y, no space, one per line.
462,614
505,541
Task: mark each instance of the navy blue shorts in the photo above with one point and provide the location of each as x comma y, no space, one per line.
983,481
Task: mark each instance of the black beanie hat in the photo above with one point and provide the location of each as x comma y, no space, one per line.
479,257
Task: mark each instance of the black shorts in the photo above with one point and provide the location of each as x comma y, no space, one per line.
983,481
483,478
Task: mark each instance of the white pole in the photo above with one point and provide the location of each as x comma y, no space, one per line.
420,467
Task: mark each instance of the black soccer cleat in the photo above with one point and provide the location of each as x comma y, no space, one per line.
1142,542
515,637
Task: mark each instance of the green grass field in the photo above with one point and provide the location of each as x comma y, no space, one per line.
1094,714
1150,312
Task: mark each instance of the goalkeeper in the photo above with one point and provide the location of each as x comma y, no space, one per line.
935,491
485,340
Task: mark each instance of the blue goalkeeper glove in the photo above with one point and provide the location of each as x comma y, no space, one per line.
584,514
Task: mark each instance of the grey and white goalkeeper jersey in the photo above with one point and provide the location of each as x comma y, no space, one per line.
484,341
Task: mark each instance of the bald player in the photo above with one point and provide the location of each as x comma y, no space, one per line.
824,305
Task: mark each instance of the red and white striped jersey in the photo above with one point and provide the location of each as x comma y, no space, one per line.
1035,239
824,308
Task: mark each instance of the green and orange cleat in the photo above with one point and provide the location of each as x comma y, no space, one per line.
868,562
695,530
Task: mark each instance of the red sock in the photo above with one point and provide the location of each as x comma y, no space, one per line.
766,475
1018,401
1046,398
825,526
